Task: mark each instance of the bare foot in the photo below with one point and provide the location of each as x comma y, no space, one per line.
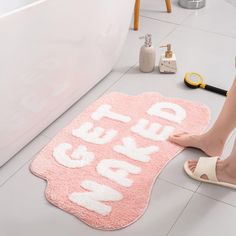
224,171
211,145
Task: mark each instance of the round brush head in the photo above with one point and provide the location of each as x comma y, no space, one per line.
193,80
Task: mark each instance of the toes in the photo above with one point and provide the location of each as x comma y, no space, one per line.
192,161
182,139
192,165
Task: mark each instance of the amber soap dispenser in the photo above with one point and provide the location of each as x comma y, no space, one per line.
167,62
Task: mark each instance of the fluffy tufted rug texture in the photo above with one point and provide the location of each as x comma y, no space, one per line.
102,166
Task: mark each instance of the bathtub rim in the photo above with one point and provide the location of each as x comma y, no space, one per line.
22,8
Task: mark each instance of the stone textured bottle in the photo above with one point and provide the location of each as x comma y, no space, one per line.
147,55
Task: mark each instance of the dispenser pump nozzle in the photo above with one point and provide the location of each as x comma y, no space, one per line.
168,53
148,40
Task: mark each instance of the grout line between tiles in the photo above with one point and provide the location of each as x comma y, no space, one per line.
188,26
167,35
164,21
177,185
198,187
17,170
212,198
25,147
180,214
208,31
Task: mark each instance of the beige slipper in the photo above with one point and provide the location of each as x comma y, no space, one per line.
206,166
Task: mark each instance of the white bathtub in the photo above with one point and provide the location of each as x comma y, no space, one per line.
51,53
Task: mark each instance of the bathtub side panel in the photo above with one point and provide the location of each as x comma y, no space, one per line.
51,55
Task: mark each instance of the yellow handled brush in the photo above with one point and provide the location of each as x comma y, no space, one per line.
194,80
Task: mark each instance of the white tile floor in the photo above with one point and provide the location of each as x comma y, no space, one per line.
204,41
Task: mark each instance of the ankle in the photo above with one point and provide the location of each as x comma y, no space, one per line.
219,139
229,166
217,136
222,141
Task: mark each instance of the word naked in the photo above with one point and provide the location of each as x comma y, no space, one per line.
97,195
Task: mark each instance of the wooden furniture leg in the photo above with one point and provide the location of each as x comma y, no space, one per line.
168,6
136,14
137,10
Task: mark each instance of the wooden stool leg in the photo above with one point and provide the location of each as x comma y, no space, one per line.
168,6
136,14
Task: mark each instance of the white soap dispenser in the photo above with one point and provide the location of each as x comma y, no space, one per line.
167,62
147,55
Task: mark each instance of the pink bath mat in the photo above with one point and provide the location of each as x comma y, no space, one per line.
102,166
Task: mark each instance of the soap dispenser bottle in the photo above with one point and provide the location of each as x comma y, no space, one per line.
167,62
147,55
